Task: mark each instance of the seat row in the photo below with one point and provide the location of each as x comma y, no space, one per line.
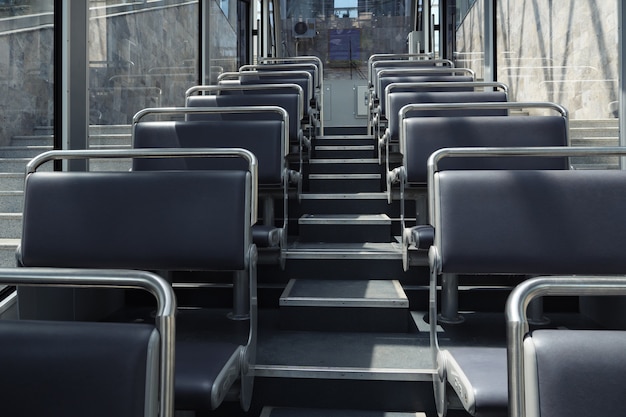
496,196
188,205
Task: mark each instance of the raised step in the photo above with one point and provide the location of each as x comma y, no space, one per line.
109,129
11,201
343,151
120,164
342,183
11,181
362,251
18,165
344,203
116,139
11,225
345,228
362,356
344,137
318,412
344,305
595,162
595,141
32,140
23,151
7,252
576,124
343,165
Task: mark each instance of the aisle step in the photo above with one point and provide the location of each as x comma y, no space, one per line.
341,183
344,305
320,412
333,228
344,203
369,356
345,165
342,151
363,251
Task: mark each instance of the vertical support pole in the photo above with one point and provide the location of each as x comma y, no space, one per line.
450,299
241,296
204,66
426,25
489,48
265,28
621,16
74,67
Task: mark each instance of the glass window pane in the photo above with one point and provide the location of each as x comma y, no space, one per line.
344,33
567,54
26,106
141,54
469,49
26,71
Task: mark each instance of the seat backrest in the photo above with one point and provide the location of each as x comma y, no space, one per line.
288,101
399,99
412,79
300,59
404,64
264,138
392,56
170,220
530,222
302,78
76,369
422,136
309,67
575,373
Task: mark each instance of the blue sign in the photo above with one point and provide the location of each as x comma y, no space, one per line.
344,44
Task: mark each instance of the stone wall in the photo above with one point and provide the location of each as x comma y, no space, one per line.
141,55
26,77
574,62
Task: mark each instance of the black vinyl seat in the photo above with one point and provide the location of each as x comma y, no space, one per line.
78,368
260,129
156,220
397,100
516,222
421,136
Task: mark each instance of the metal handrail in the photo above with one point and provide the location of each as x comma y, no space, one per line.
304,58
477,105
37,161
162,291
285,67
418,72
381,57
548,151
244,87
447,84
208,110
304,74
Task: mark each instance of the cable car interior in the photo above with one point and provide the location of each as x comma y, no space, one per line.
315,208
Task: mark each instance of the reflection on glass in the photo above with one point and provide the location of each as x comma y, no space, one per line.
26,70
469,49
566,54
141,54
344,33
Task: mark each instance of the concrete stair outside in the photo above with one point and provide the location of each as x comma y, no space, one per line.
13,160
604,132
